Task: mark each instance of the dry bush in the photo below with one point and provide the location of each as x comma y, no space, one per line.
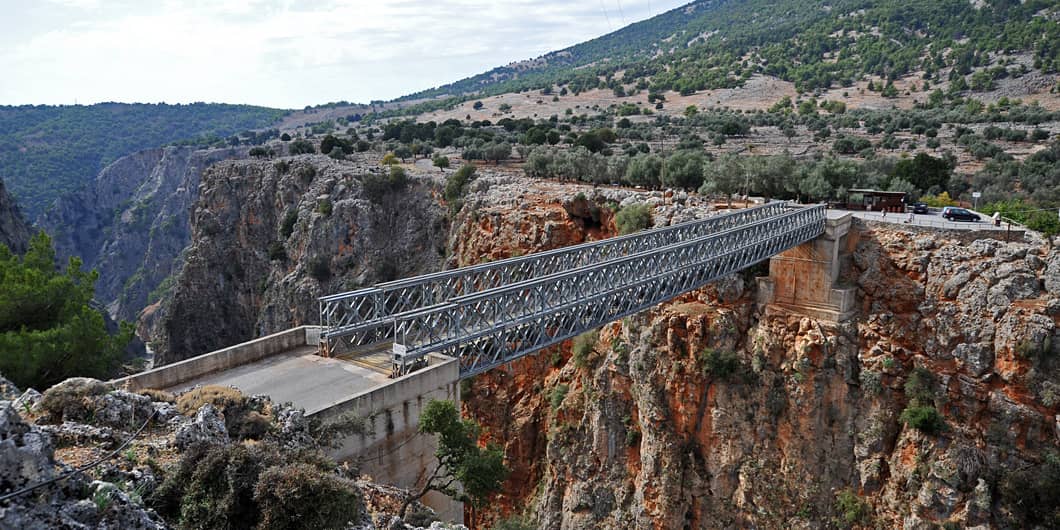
220,397
304,496
244,418
158,395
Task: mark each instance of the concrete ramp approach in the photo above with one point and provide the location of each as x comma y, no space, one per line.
285,367
298,376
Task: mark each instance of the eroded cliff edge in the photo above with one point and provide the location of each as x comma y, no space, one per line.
711,412
271,236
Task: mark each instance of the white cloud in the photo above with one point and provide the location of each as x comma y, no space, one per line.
279,52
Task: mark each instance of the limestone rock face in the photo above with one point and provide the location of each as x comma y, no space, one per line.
14,234
271,236
25,453
27,458
132,222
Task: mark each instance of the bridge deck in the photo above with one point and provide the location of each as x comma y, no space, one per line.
298,376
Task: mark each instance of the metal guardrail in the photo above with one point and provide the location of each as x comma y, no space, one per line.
931,221
366,316
501,324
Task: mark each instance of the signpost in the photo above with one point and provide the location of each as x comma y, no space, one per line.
975,199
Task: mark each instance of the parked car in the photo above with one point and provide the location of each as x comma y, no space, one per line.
960,214
920,208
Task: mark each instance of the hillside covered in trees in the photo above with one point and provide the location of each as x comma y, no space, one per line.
46,151
711,44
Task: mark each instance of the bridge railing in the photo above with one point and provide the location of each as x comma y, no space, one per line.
501,324
365,316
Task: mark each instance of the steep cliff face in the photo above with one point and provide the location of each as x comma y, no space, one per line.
270,236
506,216
132,222
709,412
14,234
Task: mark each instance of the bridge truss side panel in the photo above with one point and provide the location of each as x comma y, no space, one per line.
498,326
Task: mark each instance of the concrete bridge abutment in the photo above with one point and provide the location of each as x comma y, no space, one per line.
805,279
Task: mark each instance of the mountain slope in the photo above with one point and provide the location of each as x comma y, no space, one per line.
720,43
47,151
131,222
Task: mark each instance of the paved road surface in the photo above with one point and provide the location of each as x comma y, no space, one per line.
933,219
297,376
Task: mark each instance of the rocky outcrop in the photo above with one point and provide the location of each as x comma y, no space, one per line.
167,465
132,222
27,458
711,412
505,216
271,236
14,234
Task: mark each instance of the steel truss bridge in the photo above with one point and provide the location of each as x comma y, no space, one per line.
492,313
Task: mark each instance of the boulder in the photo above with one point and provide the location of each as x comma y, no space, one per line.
208,426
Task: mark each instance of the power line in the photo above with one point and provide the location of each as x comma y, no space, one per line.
620,12
604,9
81,469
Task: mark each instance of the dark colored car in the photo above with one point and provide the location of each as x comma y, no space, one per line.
920,207
960,214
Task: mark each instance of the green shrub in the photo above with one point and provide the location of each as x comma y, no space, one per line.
287,228
557,358
558,394
325,207
214,487
633,218
632,437
301,147
852,509
920,386
320,269
583,346
376,186
923,418
456,184
306,174
1032,492
722,365
299,496
277,252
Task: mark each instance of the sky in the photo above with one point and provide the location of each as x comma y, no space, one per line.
279,53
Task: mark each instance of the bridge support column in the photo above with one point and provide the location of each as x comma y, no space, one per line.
392,450
804,279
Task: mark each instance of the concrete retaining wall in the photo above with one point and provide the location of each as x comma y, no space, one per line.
393,451
231,357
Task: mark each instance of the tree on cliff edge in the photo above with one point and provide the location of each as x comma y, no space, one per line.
465,471
48,330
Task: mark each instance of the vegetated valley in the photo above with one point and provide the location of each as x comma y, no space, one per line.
935,406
